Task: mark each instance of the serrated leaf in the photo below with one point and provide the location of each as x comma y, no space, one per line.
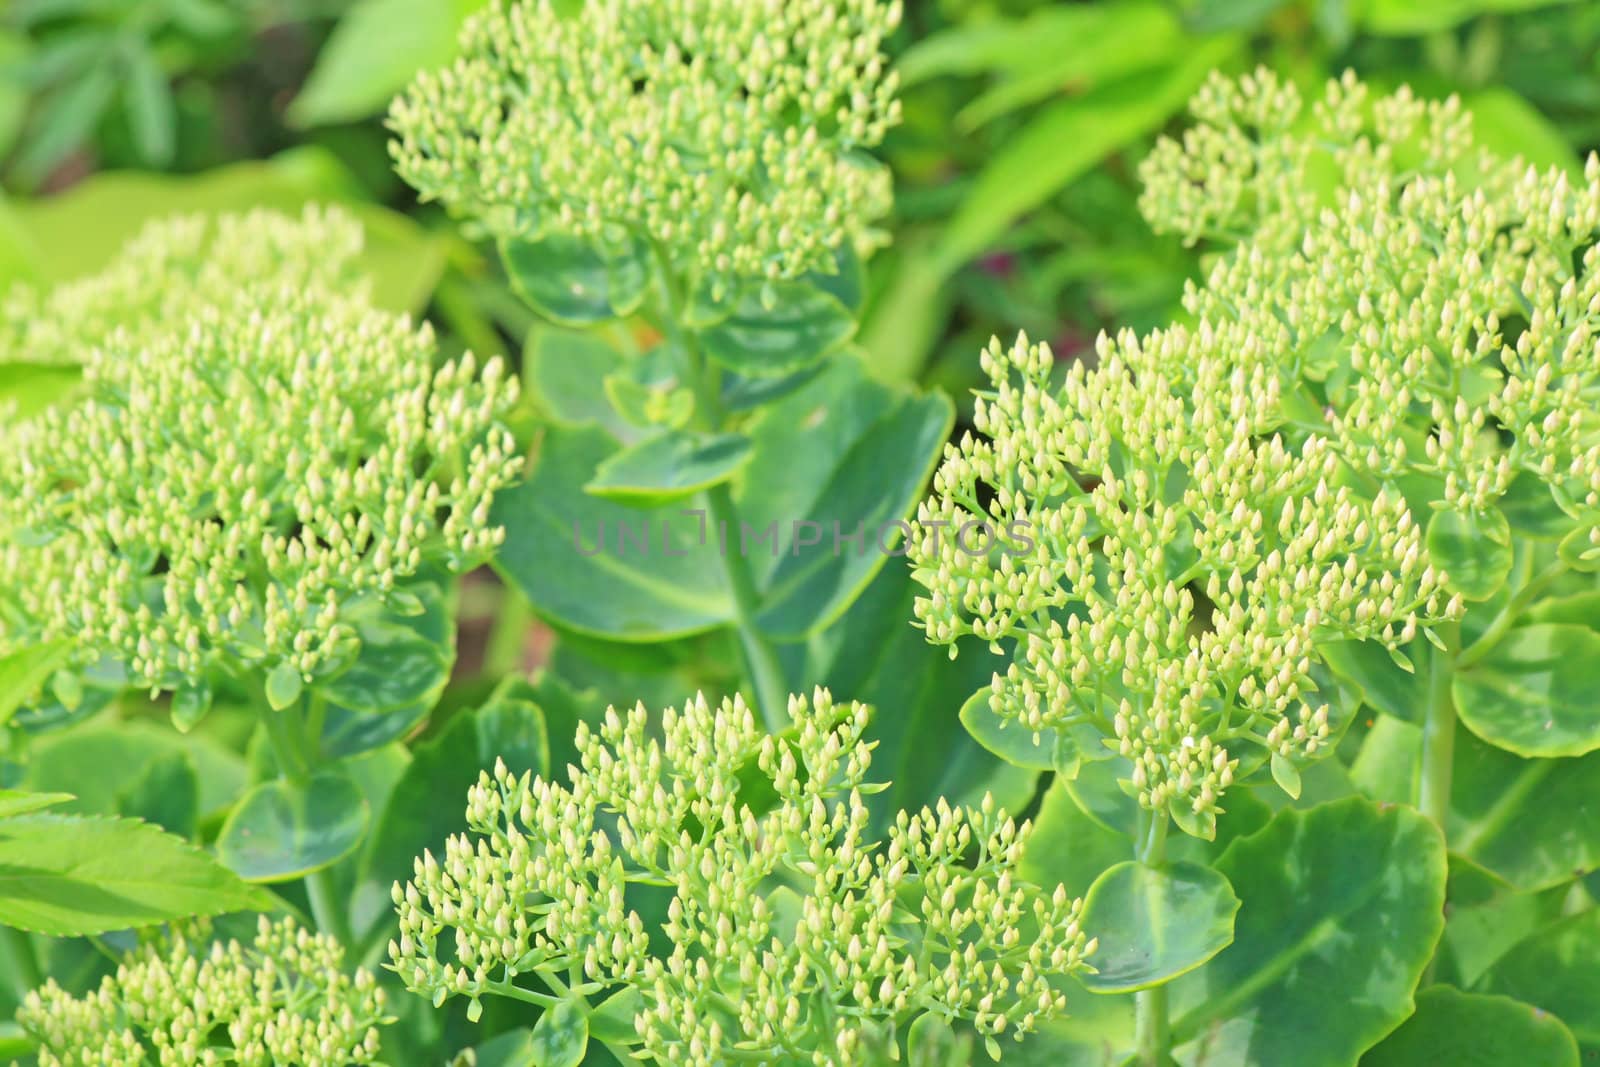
283,830
71,876
21,802
1156,923
1534,693
670,466
1319,889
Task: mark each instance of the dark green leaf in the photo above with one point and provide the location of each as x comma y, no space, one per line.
152,112
794,326
1557,970
575,281
563,369
561,1036
405,657
1346,897
1534,693
670,466
166,794
1155,924
72,876
283,830
1456,1029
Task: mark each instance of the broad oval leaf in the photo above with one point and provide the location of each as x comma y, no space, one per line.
1010,741
283,830
1345,901
561,1036
72,876
670,466
1474,1030
575,281
1557,970
1472,548
795,325
1385,684
405,656
1534,693
1533,822
1156,923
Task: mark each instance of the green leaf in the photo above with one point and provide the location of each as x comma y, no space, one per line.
167,794
1156,923
564,369
1471,1030
24,673
284,686
1474,550
670,466
1508,125
30,388
1011,742
152,113
1345,897
21,802
932,1042
374,52
1407,18
72,876
777,328
1385,685
1557,970
561,1036
603,568
99,763
283,830
576,282
1064,140
405,656
1533,822
840,454
64,121
1068,848
1534,693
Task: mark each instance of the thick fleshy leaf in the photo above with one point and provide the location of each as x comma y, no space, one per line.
283,830
1473,548
575,281
796,324
1011,742
1156,923
604,568
70,876
1345,900
1385,684
1068,848
24,673
1456,1029
1533,822
561,1036
838,466
167,794
563,371
1534,693
99,764
1557,970
670,466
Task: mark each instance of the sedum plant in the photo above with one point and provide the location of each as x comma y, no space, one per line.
789,936
281,1000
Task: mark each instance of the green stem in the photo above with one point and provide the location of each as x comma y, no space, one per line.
1439,732
1151,1028
508,638
1509,614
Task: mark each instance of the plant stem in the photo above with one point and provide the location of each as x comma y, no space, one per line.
1151,1030
1439,733
1509,614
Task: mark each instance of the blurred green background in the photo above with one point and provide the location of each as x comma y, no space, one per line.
1015,165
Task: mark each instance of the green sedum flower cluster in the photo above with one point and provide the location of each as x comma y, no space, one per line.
244,462
281,1001
792,937
725,131
1429,307
1165,565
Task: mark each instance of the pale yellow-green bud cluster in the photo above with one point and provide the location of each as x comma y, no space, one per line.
186,1001
1435,306
243,466
794,938
1163,561
729,132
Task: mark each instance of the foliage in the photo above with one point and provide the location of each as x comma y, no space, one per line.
1285,536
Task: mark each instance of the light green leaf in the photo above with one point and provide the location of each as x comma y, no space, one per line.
404,662
670,466
1344,897
24,673
1063,141
1408,18
374,52
1473,549
561,1036
72,876
284,686
1533,822
574,281
1011,742
564,369
99,763
152,113
1508,125
1557,970
1471,1030
778,328
21,802
1534,693
1155,924
283,830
